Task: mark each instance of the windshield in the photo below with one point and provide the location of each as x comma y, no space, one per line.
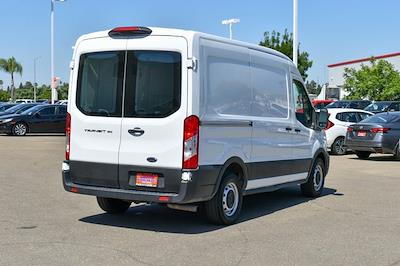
381,118
31,110
377,107
19,108
338,104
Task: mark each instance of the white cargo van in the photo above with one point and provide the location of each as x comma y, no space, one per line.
187,119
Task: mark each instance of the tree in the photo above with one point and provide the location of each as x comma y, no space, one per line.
313,87
11,66
379,81
284,44
1,84
4,97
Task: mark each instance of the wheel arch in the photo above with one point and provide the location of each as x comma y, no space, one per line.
324,156
232,165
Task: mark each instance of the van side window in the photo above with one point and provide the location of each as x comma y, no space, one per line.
303,106
100,80
153,83
270,89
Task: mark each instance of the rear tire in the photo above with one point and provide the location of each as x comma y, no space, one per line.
316,180
113,206
338,147
363,154
224,208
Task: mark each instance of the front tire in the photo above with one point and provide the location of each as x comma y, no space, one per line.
224,208
363,154
113,206
338,147
397,152
316,180
19,129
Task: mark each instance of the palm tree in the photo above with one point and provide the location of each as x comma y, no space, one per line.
11,66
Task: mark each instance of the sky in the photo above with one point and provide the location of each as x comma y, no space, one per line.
330,31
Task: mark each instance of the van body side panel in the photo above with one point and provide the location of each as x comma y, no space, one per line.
225,97
95,138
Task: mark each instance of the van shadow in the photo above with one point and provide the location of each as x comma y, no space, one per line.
158,218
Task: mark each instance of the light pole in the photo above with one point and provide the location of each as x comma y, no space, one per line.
295,31
230,22
53,83
34,77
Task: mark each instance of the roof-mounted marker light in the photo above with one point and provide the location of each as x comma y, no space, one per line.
129,31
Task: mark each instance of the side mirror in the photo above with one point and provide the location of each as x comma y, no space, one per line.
322,118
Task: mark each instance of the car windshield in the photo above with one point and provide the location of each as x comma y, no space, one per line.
14,108
381,118
31,110
378,106
338,104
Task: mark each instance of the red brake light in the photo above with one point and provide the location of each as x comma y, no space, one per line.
191,143
329,125
129,31
349,129
380,130
68,136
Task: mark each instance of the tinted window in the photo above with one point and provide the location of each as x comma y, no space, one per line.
377,107
153,83
62,110
303,107
349,117
47,111
381,118
100,81
394,107
363,116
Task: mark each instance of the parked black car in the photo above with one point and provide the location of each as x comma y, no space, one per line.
357,104
377,134
383,106
18,108
37,119
5,106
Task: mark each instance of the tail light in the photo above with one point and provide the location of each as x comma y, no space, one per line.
380,130
329,125
349,129
191,143
68,136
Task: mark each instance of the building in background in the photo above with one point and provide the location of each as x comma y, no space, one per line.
334,90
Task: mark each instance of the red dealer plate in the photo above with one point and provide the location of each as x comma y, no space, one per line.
146,180
362,133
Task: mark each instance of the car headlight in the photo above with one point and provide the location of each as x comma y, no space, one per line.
6,120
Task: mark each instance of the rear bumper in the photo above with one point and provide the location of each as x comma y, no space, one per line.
370,146
193,190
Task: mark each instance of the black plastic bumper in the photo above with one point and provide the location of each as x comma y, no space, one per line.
196,190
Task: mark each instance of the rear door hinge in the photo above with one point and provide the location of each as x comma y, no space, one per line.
71,64
192,63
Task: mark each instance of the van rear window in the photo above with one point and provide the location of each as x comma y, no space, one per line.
100,81
153,83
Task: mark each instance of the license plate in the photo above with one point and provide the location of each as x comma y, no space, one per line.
146,180
362,133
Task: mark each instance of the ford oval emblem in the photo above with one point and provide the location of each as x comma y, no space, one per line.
152,160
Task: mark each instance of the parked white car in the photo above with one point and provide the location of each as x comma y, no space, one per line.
186,119
24,101
338,122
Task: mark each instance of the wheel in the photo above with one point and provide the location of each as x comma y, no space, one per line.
224,208
363,154
113,205
316,179
19,129
338,147
397,152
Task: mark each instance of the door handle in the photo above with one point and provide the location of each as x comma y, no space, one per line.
297,130
289,129
137,132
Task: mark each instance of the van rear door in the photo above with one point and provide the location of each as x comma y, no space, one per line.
155,106
96,111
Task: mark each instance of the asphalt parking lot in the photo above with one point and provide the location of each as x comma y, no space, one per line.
356,222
